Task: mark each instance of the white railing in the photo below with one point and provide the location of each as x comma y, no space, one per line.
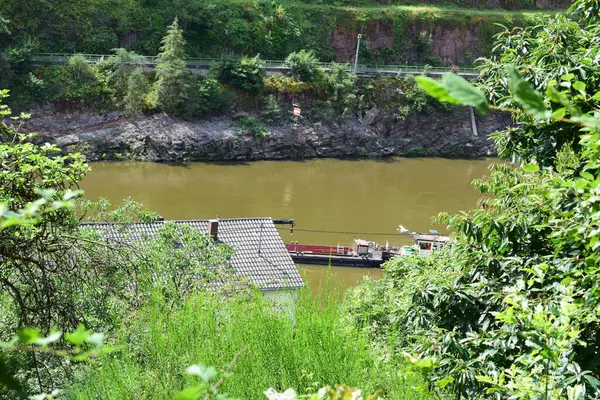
270,64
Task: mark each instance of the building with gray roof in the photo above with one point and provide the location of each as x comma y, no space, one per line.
260,254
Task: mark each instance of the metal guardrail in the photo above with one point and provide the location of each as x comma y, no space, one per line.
199,63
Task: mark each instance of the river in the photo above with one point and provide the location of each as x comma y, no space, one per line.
371,197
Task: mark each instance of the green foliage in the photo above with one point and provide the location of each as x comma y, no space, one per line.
287,85
31,172
103,211
82,345
273,30
304,66
4,26
587,10
271,111
249,125
172,88
210,96
272,343
454,90
511,310
138,88
77,81
400,96
118,68
550,57
340,88
246,74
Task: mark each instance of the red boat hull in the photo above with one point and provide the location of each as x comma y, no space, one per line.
318,249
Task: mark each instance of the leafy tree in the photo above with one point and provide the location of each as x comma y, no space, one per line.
209,96
76,81
587,10
400,96
28,270
271,110
340,88
118,68
138,88
304,66
246,73
4,63
545,54
511,310
172,87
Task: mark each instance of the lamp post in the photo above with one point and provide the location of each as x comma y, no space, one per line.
356,56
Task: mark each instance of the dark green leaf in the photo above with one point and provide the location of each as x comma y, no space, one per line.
466,93
435,89
6,379
529,99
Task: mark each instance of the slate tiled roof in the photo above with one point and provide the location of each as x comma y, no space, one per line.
260,254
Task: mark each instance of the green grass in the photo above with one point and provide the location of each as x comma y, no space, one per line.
436,10
306,351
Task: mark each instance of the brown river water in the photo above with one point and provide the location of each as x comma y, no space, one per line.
367,197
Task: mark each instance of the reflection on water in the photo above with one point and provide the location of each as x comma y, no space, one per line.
340,195
320,277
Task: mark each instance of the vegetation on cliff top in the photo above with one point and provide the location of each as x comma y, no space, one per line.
214,29
241,84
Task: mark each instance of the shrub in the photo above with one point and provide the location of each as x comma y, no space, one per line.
246,73
271,110
138,88
76,81
340,88
118,68
304,66
210,96
287,85
249,125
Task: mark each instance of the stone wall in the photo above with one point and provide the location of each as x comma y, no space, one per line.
163,138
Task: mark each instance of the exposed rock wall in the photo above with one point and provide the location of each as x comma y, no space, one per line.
453,44
163,138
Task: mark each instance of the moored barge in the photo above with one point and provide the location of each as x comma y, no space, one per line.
364,253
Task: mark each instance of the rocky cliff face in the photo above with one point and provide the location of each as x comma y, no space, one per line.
163,138
452,44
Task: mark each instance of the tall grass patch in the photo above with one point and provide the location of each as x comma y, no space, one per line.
303,347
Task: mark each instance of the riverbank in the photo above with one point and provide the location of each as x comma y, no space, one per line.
162,138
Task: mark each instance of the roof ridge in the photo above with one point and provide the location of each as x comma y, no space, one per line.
176,220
